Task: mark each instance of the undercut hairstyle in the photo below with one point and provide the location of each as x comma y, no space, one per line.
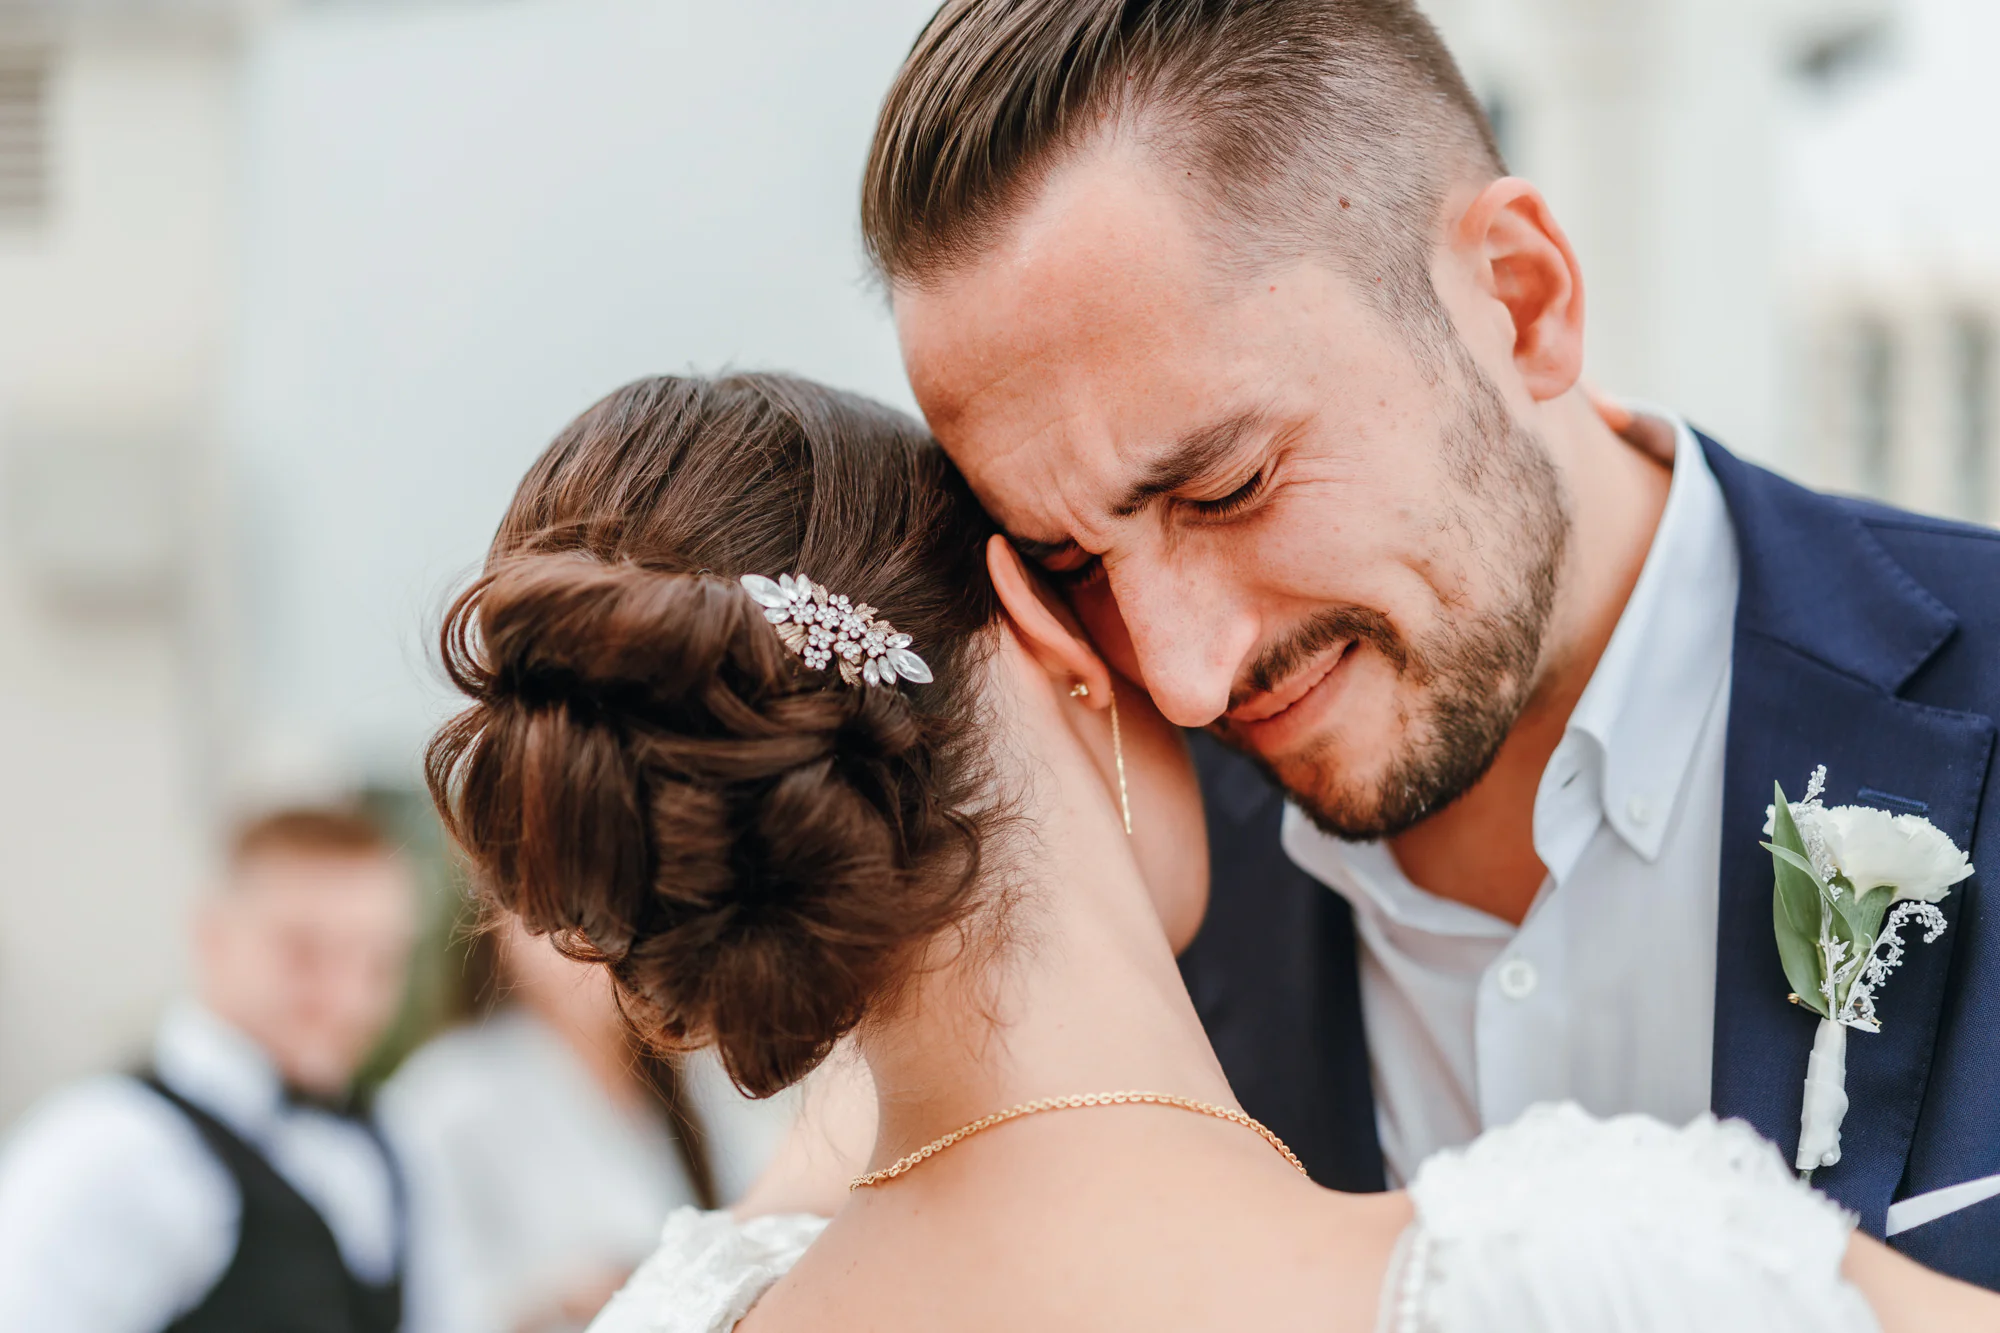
328,832
1301,127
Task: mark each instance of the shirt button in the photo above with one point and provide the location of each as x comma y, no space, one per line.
1517,978
1640,811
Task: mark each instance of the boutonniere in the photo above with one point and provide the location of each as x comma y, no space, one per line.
1848,879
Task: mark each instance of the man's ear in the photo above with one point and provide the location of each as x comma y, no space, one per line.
1524,261
1045,626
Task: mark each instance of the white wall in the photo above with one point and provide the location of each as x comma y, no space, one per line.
1654,128
110,319
1899,178
1891,194
466,223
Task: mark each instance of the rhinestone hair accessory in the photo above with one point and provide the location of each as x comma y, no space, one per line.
826,628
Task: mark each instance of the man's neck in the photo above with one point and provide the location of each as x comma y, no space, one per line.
1480,849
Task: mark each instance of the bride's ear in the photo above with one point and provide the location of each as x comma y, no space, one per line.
1046,626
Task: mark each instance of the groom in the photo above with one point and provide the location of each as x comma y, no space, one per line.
1234,320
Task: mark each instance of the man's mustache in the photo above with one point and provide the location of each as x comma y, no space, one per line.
1324,630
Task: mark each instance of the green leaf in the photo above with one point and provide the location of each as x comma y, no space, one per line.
1795,907
1798,862
1801,957
1862,914
1796,878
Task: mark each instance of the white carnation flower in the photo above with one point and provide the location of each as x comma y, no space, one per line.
1873,848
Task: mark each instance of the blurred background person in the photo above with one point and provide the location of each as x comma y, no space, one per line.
544,1147
231,1185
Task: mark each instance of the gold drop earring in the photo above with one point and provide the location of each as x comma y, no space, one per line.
1082,691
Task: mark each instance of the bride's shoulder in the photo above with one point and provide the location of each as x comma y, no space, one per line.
1563,1219
707,1272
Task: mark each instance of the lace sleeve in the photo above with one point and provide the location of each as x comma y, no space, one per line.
1562,1223
707,1273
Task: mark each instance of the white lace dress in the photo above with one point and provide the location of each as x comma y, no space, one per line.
1559,1223
1562,1223
707,1273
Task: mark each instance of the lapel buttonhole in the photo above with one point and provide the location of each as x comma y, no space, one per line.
1900,804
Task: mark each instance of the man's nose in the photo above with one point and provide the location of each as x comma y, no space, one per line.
1190,636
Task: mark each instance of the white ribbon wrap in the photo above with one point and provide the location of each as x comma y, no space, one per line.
1826,1098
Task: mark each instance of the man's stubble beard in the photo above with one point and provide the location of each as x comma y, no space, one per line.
1476,674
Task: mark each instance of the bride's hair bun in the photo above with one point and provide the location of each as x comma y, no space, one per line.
756,850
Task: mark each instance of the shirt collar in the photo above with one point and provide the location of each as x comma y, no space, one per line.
1668,656
1366,874
218,1068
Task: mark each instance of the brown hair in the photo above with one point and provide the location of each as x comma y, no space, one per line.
323,831
1309,123
756,850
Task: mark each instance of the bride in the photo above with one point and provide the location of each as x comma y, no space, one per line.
767,720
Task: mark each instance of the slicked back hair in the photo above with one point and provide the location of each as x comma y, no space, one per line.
1328,127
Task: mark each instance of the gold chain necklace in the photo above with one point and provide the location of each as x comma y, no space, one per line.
936,1146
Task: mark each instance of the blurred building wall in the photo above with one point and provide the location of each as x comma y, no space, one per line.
1892,266
467,222
1656,129
115,140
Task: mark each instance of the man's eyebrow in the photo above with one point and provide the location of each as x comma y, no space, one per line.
1191,457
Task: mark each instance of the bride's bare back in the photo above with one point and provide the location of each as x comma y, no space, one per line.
1139,1219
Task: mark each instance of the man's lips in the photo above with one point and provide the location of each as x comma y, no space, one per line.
1263,707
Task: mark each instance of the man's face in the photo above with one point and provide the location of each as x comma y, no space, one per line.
307,954
1269,508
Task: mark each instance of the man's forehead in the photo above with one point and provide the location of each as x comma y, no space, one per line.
1056,446
1043,488
1063,452
283,887
1098,353
1104,260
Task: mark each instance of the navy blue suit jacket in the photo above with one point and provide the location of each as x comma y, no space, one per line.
1867,640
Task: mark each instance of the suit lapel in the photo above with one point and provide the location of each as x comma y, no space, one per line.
1828,629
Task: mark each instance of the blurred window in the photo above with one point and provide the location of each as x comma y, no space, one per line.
1874,406
1972,402
24,155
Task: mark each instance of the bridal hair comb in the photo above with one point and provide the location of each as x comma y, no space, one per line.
822,626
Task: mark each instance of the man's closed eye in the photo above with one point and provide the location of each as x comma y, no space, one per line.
1236,501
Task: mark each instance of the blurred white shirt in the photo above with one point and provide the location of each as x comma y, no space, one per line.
526,1179
1606,992
116,1218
